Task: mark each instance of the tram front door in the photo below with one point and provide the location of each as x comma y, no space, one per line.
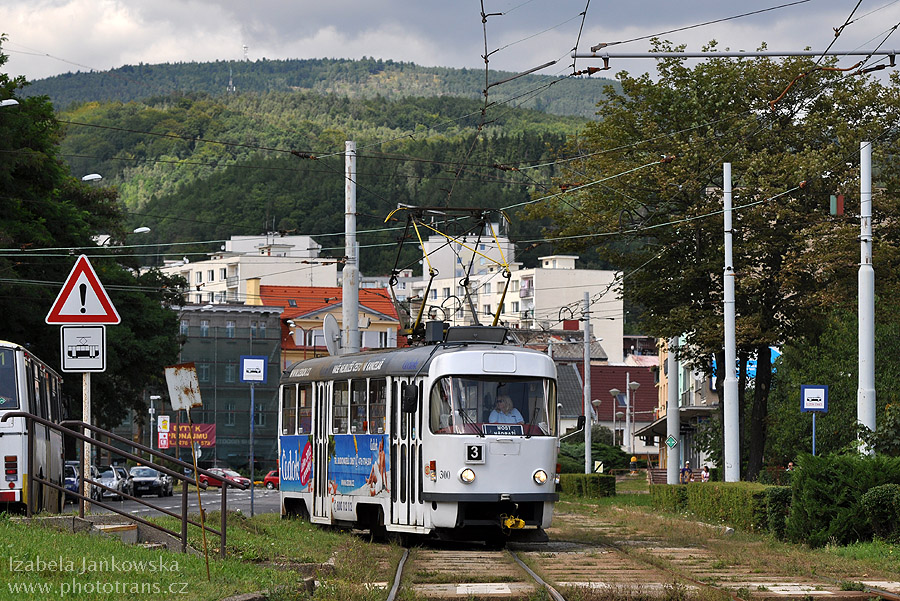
321,499
406,477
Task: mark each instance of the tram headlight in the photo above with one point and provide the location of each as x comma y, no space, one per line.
467,475
540,476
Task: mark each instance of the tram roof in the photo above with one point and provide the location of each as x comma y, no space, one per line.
379,363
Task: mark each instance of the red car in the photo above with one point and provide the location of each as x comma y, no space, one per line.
224,474
271,480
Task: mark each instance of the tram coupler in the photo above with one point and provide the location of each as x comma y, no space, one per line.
511,522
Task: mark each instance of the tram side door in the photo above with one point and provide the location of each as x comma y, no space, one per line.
405,456
321,502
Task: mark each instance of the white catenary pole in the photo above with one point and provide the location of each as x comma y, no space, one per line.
673,418
588,468
865,396
350,307
730,386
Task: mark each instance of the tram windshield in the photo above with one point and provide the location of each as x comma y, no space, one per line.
491,405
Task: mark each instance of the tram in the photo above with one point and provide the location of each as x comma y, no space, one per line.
29,384
456,439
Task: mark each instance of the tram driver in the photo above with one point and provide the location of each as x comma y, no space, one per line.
505,413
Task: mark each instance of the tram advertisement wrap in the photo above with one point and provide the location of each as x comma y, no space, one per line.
296,464
359,465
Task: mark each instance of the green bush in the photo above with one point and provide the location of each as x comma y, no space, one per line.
881,510
778,505
826,506
739,504
592,486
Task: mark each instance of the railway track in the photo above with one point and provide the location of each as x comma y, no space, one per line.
609,570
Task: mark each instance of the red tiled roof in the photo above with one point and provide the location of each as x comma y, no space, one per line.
606,377
309,299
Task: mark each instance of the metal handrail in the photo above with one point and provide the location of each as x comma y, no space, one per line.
66,429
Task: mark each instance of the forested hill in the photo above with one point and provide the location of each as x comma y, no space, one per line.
367,78
201,168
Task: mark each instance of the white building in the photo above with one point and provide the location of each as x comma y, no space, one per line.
274,260
540,297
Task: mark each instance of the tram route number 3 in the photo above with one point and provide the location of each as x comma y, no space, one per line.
475,453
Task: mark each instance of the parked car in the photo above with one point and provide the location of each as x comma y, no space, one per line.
112,479
148,481
72,481
271,480
128,487
223,474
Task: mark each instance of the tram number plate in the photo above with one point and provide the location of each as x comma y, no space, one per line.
474,453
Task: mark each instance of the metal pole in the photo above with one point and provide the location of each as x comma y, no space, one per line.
730,388
673,418
865,396
85,447
814,433
628,416
588,468
350,273
252,419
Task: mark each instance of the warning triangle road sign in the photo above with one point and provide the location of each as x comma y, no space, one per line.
82,299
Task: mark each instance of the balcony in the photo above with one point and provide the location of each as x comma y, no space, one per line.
232,281
526,292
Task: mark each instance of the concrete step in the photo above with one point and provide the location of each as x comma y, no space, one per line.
127,533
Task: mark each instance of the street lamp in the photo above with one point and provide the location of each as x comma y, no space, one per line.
92,177
629,414
9,102
596,404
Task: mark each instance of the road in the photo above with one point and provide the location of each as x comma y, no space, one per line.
264,501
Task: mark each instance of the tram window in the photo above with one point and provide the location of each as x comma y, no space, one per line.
358,415
340,405
9,399
403,473
304,409
288,410
395,405
377,402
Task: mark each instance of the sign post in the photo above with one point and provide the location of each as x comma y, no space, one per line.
814,399
253,370
82,301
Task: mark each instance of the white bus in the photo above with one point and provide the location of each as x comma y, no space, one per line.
410,440
29,384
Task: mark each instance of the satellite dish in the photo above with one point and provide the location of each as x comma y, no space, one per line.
332,335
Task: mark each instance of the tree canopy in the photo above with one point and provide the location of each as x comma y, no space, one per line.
47,218
647,187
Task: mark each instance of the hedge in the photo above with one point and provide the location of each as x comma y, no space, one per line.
740,504
588,485
827,504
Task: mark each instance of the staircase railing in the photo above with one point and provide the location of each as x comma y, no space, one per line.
66,429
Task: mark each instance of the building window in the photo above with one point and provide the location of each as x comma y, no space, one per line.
223,274
210,275
229,414
230,371
487,288
487,310
446,292
204,327
210,296
292,302
514,286
434,294
203,372
515,306
229,328
262,329
184,327
253,325
260,417
198,277
503,309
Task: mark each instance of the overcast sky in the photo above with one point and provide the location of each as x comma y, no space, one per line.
47,37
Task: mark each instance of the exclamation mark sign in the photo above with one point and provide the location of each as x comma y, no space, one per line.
82,288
